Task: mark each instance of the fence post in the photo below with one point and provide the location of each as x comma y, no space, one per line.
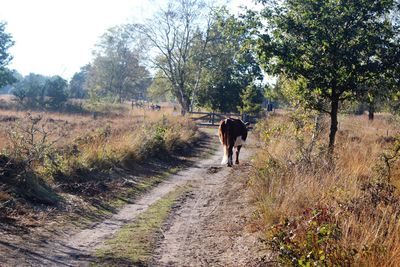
212,118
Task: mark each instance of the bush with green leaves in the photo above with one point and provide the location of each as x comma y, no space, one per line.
310,239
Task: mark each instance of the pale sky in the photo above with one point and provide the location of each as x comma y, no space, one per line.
56,37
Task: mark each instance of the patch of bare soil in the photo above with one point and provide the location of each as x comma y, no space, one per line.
211,227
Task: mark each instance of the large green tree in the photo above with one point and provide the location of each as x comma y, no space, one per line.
331,47
7,89
231,65
38,91
77,84
117,71
30,90
56,91
252,98
6,76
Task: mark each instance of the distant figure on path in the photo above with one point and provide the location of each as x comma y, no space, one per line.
232,133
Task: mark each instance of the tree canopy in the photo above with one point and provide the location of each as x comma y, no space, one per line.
231,63
77,84
252,98
203,53
332,47
175,33
56,90
6,76
117,71
38,91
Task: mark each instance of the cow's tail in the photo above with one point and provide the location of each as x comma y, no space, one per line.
223,137
221,132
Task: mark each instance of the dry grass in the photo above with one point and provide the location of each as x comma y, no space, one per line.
288,181
79,125
85,146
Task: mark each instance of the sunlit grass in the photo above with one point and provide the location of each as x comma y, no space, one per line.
285,187
88,149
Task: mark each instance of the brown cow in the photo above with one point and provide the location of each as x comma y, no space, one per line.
232,133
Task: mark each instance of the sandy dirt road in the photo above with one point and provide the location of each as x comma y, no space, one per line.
208,228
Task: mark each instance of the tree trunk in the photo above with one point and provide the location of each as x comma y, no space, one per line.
371,111
182,99
184,106
334,124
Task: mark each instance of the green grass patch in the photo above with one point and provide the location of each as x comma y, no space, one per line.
134,243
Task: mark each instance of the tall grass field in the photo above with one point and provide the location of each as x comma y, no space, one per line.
317,211
55,161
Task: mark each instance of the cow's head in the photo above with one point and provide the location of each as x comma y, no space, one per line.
247,124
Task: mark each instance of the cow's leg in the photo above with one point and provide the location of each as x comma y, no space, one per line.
230,156
237,154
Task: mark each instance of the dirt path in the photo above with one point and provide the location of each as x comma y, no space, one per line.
206,230
210,227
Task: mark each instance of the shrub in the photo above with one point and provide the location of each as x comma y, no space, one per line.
31,140
310,239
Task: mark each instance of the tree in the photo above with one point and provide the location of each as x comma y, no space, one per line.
231,65
160,88
172,33
394,104
38,91
6,76
31,90
276,92
331,46
252,98
56,90
20,93
7,89
77,85
381,88
116,71
375,95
